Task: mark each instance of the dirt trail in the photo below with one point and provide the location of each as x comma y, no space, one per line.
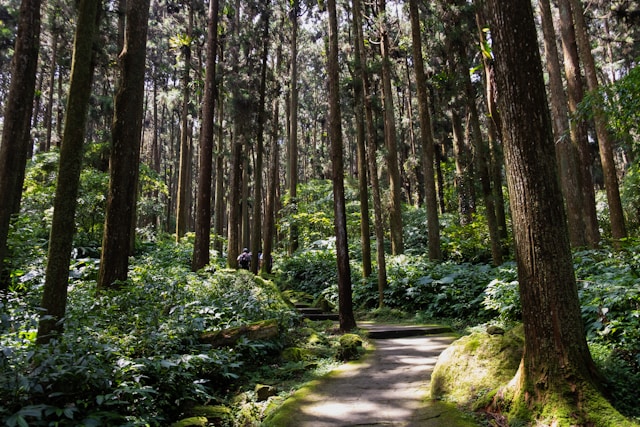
387,388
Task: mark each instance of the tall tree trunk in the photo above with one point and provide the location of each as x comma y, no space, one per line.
203,198
556,375
237,142
605,144
293,124
256,232
184,173
155,151
345,303
426,136
464,170
493,127
361,140
371,155
274,172
482,158
395,191
219,210
577,129
54,298
568,157
125,148
45,145
17,121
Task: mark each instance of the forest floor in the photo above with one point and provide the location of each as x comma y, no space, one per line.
388,387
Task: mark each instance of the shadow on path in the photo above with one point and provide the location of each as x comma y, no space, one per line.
388,388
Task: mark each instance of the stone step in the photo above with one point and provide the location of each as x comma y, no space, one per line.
321,316
309,310
387,331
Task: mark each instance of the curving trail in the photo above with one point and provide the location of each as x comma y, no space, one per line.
388,388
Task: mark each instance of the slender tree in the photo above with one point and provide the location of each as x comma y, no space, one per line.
345,303
390,137
426,136
577,128
371,155
126,134
203,198
292,165
274,172
557,375
184,173
481,155
17,120
361,150
568,156
240,114
605,143
256,231
54,298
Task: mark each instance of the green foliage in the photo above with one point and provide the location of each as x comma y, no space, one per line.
37,201
502,295
630,196
438,290
621,103
465,243
312,212
310,272
609,292
133,357
622,380
609,289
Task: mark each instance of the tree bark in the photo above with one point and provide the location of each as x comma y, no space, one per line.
184,173
426,136
203,199
605,144
274,172
17,120
293,125
361,141
371,156
219,214
345,303
577,129
493,133
54,298
464,170
390,137
482,158
568,157
256,232
556,374
125,148
237,141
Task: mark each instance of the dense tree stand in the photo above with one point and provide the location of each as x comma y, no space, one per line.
557,383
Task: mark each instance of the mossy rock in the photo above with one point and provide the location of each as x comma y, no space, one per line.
294,354
212,412
350,347
323,304
315,340
477,364
263,392
191,422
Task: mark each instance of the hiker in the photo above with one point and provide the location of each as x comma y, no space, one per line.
244,259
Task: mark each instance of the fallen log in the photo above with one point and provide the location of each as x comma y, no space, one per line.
262,330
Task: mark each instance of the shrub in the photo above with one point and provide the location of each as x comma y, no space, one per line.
133,356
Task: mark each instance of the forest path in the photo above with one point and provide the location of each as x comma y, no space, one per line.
387,388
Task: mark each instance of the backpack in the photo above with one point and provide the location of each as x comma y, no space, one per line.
245,260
